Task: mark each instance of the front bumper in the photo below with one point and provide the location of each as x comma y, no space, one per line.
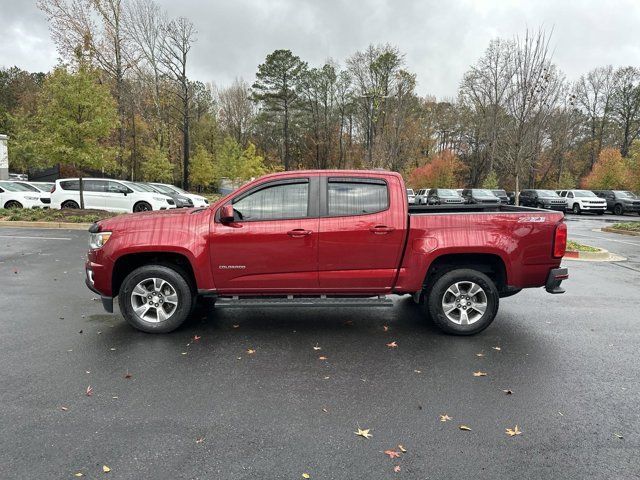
107,302
555,278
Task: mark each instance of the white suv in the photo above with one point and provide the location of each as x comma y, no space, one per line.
579,201
198,200
14,195
105,194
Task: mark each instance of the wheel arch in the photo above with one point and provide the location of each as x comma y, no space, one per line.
490,264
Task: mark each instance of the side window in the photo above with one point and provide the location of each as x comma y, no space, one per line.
94,185
115,187
570,195
348,197
278,202
70,185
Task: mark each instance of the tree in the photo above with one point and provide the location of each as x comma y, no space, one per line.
75,117
202,170
275,89
443,171
251,164
626,101
156,166
609,172
237,112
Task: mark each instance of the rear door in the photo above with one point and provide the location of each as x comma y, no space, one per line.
272,246
115,198
93,191
362,228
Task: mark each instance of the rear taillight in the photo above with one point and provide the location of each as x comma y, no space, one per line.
560,241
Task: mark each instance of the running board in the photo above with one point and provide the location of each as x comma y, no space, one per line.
239,302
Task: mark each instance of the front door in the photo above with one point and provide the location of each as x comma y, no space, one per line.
272,245
361,236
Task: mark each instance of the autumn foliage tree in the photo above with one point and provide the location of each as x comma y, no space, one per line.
443,171
609,172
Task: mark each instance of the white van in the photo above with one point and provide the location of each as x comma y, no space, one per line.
198,200
106,194
14,195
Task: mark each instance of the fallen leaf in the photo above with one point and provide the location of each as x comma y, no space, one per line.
417,371
385,328
89,391
112,349
128,375
513,432
322,358
479,354
78,474
392,344
465,428
306,475
317,348
327,378
396,468
445,417
80,330
392,453
479,374
184,353
196,338
402,449
64,409
87,371
115,398
251,351
508,392
235,326
618,436
199,439
105,469
325,410
363,433
496,348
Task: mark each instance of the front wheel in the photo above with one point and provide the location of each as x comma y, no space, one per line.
618,210
463,302
142,207
155,299
576,209
12,204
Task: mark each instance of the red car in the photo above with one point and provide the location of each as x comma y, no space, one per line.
345,238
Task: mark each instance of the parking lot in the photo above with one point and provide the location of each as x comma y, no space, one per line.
275,394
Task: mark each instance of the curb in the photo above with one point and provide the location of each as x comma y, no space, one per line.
601,256
47,225
622,232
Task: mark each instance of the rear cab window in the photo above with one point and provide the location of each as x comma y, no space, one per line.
348,196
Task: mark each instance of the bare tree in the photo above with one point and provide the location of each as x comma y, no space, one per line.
237,111
627,106
177,41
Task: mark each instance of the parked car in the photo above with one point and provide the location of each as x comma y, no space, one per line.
442,196
547,199
19,176
198,200
324,238
42,192
411,197
620,201
512,197
14,195
502,195
421,196
181,200
579,201
106,194
479,196
39,186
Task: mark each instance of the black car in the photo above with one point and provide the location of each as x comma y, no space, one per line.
181,201
443,196
620,201
502,195
512,197
547,199
480,195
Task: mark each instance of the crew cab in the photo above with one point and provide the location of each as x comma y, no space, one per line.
579,201
324,238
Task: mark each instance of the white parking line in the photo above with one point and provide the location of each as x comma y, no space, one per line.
606,239
35,238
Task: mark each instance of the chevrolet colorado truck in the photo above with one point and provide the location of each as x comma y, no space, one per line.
325,238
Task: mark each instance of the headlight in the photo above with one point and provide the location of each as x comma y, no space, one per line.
160,199
32,198
97,240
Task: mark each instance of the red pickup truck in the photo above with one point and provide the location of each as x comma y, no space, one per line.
328,237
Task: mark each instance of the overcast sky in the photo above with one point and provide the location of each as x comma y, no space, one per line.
440,38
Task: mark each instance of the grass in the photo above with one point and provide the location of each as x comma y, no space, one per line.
628,226
578,247
48,215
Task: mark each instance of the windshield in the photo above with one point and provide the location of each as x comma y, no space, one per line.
163,189
445,192
14,187
179,190
482,192
501,193
143,187
134,186
31,188
410,191
583,193
625,194
44,187
548,193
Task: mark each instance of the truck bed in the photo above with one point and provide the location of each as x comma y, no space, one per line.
468,208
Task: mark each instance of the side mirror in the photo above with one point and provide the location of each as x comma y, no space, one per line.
226,214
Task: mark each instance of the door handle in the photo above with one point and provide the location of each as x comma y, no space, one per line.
299,232
381,229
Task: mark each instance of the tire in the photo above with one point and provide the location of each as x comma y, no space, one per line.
13,204
576,209
142,207
463,281
618,210
539,205
69,204
601,213
169,289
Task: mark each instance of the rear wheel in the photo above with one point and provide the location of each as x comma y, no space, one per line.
142,207
618,210
69,204
576,209
13,204
155,299
463,302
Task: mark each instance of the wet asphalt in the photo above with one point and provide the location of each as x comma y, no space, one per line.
208,409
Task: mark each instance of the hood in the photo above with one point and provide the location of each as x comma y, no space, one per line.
148,220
